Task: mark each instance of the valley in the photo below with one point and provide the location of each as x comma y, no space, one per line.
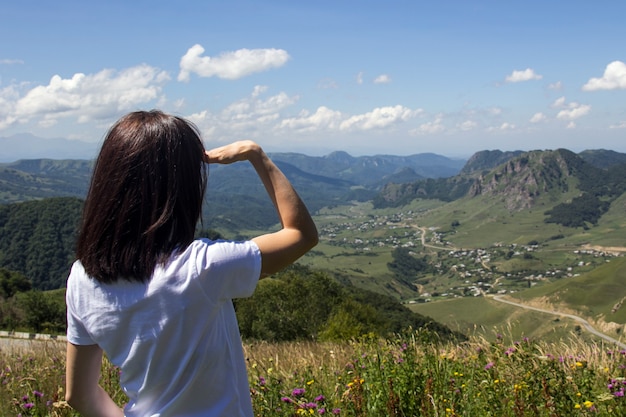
460,288
541,228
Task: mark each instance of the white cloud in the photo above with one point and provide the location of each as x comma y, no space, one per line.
467,125
379,118
246,117
525,75
11,62
620,125
323,118
556,86
230,65
429,128
538,118
614,78
86,97
570,111
359,78
382,79
254,108
574,111
503,127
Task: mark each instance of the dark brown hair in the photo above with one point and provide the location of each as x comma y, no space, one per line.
145,196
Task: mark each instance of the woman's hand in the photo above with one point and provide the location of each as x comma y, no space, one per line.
234,152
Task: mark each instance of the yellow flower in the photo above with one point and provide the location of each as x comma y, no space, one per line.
310,382
577,406
588,404
579,364
578,394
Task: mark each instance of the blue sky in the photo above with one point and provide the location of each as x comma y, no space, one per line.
396,77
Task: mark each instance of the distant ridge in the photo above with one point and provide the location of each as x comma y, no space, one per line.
27,146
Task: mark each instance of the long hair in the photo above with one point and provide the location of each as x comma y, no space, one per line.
145,197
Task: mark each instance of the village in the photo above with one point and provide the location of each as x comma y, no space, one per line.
468,272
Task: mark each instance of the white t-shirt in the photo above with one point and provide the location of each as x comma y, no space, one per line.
175,338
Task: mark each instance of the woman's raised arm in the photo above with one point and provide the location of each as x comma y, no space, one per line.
298,233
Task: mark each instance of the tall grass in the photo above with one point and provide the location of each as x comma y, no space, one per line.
411,375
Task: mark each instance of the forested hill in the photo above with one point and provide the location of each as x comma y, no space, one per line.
37,239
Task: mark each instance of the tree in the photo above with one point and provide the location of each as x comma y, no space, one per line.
42,311
12,282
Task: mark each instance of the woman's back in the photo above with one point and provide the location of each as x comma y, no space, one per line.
175,338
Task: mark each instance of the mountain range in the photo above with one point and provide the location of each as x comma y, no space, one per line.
592,176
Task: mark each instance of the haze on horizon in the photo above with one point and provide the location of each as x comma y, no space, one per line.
365,77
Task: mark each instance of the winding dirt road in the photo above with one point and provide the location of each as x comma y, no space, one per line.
580,320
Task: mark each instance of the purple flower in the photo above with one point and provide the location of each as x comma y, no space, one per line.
310,405
261,381
286,400
28,406
25,398
320,398
38,394
336,411
321,411
297,392
489,366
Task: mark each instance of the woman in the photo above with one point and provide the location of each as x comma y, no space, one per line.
155,300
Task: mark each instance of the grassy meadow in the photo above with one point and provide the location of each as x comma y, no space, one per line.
409,375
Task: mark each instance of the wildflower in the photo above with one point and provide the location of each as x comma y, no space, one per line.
577,406
320,398
297,392
321,411
489,366
286,400
588,404
262,381
310,382
336,411
28,406
310,405
38,394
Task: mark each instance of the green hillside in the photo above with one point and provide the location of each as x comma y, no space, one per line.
598,294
